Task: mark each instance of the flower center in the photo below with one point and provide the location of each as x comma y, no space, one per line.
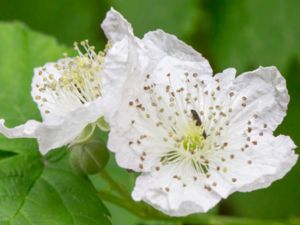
196,135
194,140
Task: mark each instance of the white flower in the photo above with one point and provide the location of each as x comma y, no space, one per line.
71,95
196,138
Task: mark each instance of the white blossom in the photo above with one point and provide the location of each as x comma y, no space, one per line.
71,95
196,138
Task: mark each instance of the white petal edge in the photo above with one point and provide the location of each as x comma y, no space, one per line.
63,132
226,77
285,147
179,201
271,83
161,43
52,136
27,130
115,26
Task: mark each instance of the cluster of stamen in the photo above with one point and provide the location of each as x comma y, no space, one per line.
75,81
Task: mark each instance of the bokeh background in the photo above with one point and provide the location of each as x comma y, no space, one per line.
243,34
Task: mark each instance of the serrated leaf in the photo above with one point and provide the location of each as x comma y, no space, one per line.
35,190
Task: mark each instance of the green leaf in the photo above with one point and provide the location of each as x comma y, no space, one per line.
22,50
36,190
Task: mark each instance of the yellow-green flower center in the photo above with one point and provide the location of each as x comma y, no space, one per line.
194,139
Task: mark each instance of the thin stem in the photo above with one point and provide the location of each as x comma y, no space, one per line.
122,203
114,185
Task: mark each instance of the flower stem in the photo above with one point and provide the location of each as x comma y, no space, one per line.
114,185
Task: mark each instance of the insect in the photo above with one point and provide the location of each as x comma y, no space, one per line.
198,121
196,117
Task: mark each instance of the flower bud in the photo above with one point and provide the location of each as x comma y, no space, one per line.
89,157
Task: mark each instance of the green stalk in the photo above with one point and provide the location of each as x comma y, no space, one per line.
114,185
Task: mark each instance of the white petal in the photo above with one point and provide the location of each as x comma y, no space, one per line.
267,95
161,44
38,96
280,156
27,130
61,132
125,157
172,196
256,167
119,63
115,26
64,131
226,77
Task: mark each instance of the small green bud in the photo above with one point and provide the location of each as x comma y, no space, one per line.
90,157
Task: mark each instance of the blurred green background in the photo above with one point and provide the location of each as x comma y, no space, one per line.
243,34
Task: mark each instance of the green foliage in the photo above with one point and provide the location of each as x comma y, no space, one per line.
247,34
178,17
67,20
21,51
35,189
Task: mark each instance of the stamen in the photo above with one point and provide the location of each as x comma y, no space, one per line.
79,81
